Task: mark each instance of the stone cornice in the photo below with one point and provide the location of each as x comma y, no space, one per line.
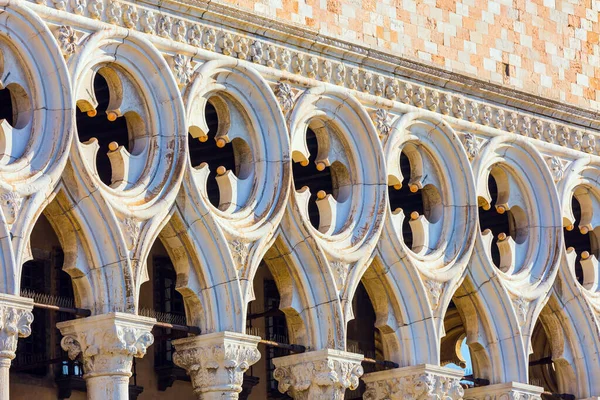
195,31
311,40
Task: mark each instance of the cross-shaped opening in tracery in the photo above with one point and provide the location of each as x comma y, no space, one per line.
407,197
217,154
316,176
104,125
580,239
496,219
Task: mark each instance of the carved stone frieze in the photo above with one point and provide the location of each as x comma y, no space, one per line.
15,322
216,362
174,27
504,391
107,343
421,382
318,375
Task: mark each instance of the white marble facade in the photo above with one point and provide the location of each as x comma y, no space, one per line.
163,62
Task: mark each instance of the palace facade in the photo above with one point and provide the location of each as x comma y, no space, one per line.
328,199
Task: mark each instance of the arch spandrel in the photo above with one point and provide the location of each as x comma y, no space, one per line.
426,275
146,172
515,295
230,240
34,142
335,252
575,305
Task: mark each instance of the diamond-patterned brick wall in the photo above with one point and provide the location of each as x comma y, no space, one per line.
545,47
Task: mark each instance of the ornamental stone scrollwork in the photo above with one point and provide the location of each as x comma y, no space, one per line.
521,307
15,322
148,21
446,103
257,52
419,96
195,35
382,121
165,26
285,58
209,39
317,64
239,250
243,48
556,167
435,290
459,107
130,16
95,8
472,144
183,69
433,100
422,382
11,205
318,375
339,74
271,56
179,31
67,37
114,12
285,96
216,362
227,44
107,343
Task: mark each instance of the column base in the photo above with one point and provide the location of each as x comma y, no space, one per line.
423,381
505,391
318,375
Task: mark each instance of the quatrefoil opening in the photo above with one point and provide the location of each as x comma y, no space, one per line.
220,153
503,220
15,107
415,201
581,233
112,124
321,178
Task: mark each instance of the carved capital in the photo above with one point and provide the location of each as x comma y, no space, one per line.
318,375
505,391
418,382
216,362
107,343
15,322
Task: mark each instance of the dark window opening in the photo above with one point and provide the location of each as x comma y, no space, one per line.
363,337
102,129
6,106
577,240
313,178
208,152
166,300
276,330
405,199
494,221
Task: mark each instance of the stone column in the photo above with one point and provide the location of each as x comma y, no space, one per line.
419,382
15,322
107,344
318,375
505,391
216,362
